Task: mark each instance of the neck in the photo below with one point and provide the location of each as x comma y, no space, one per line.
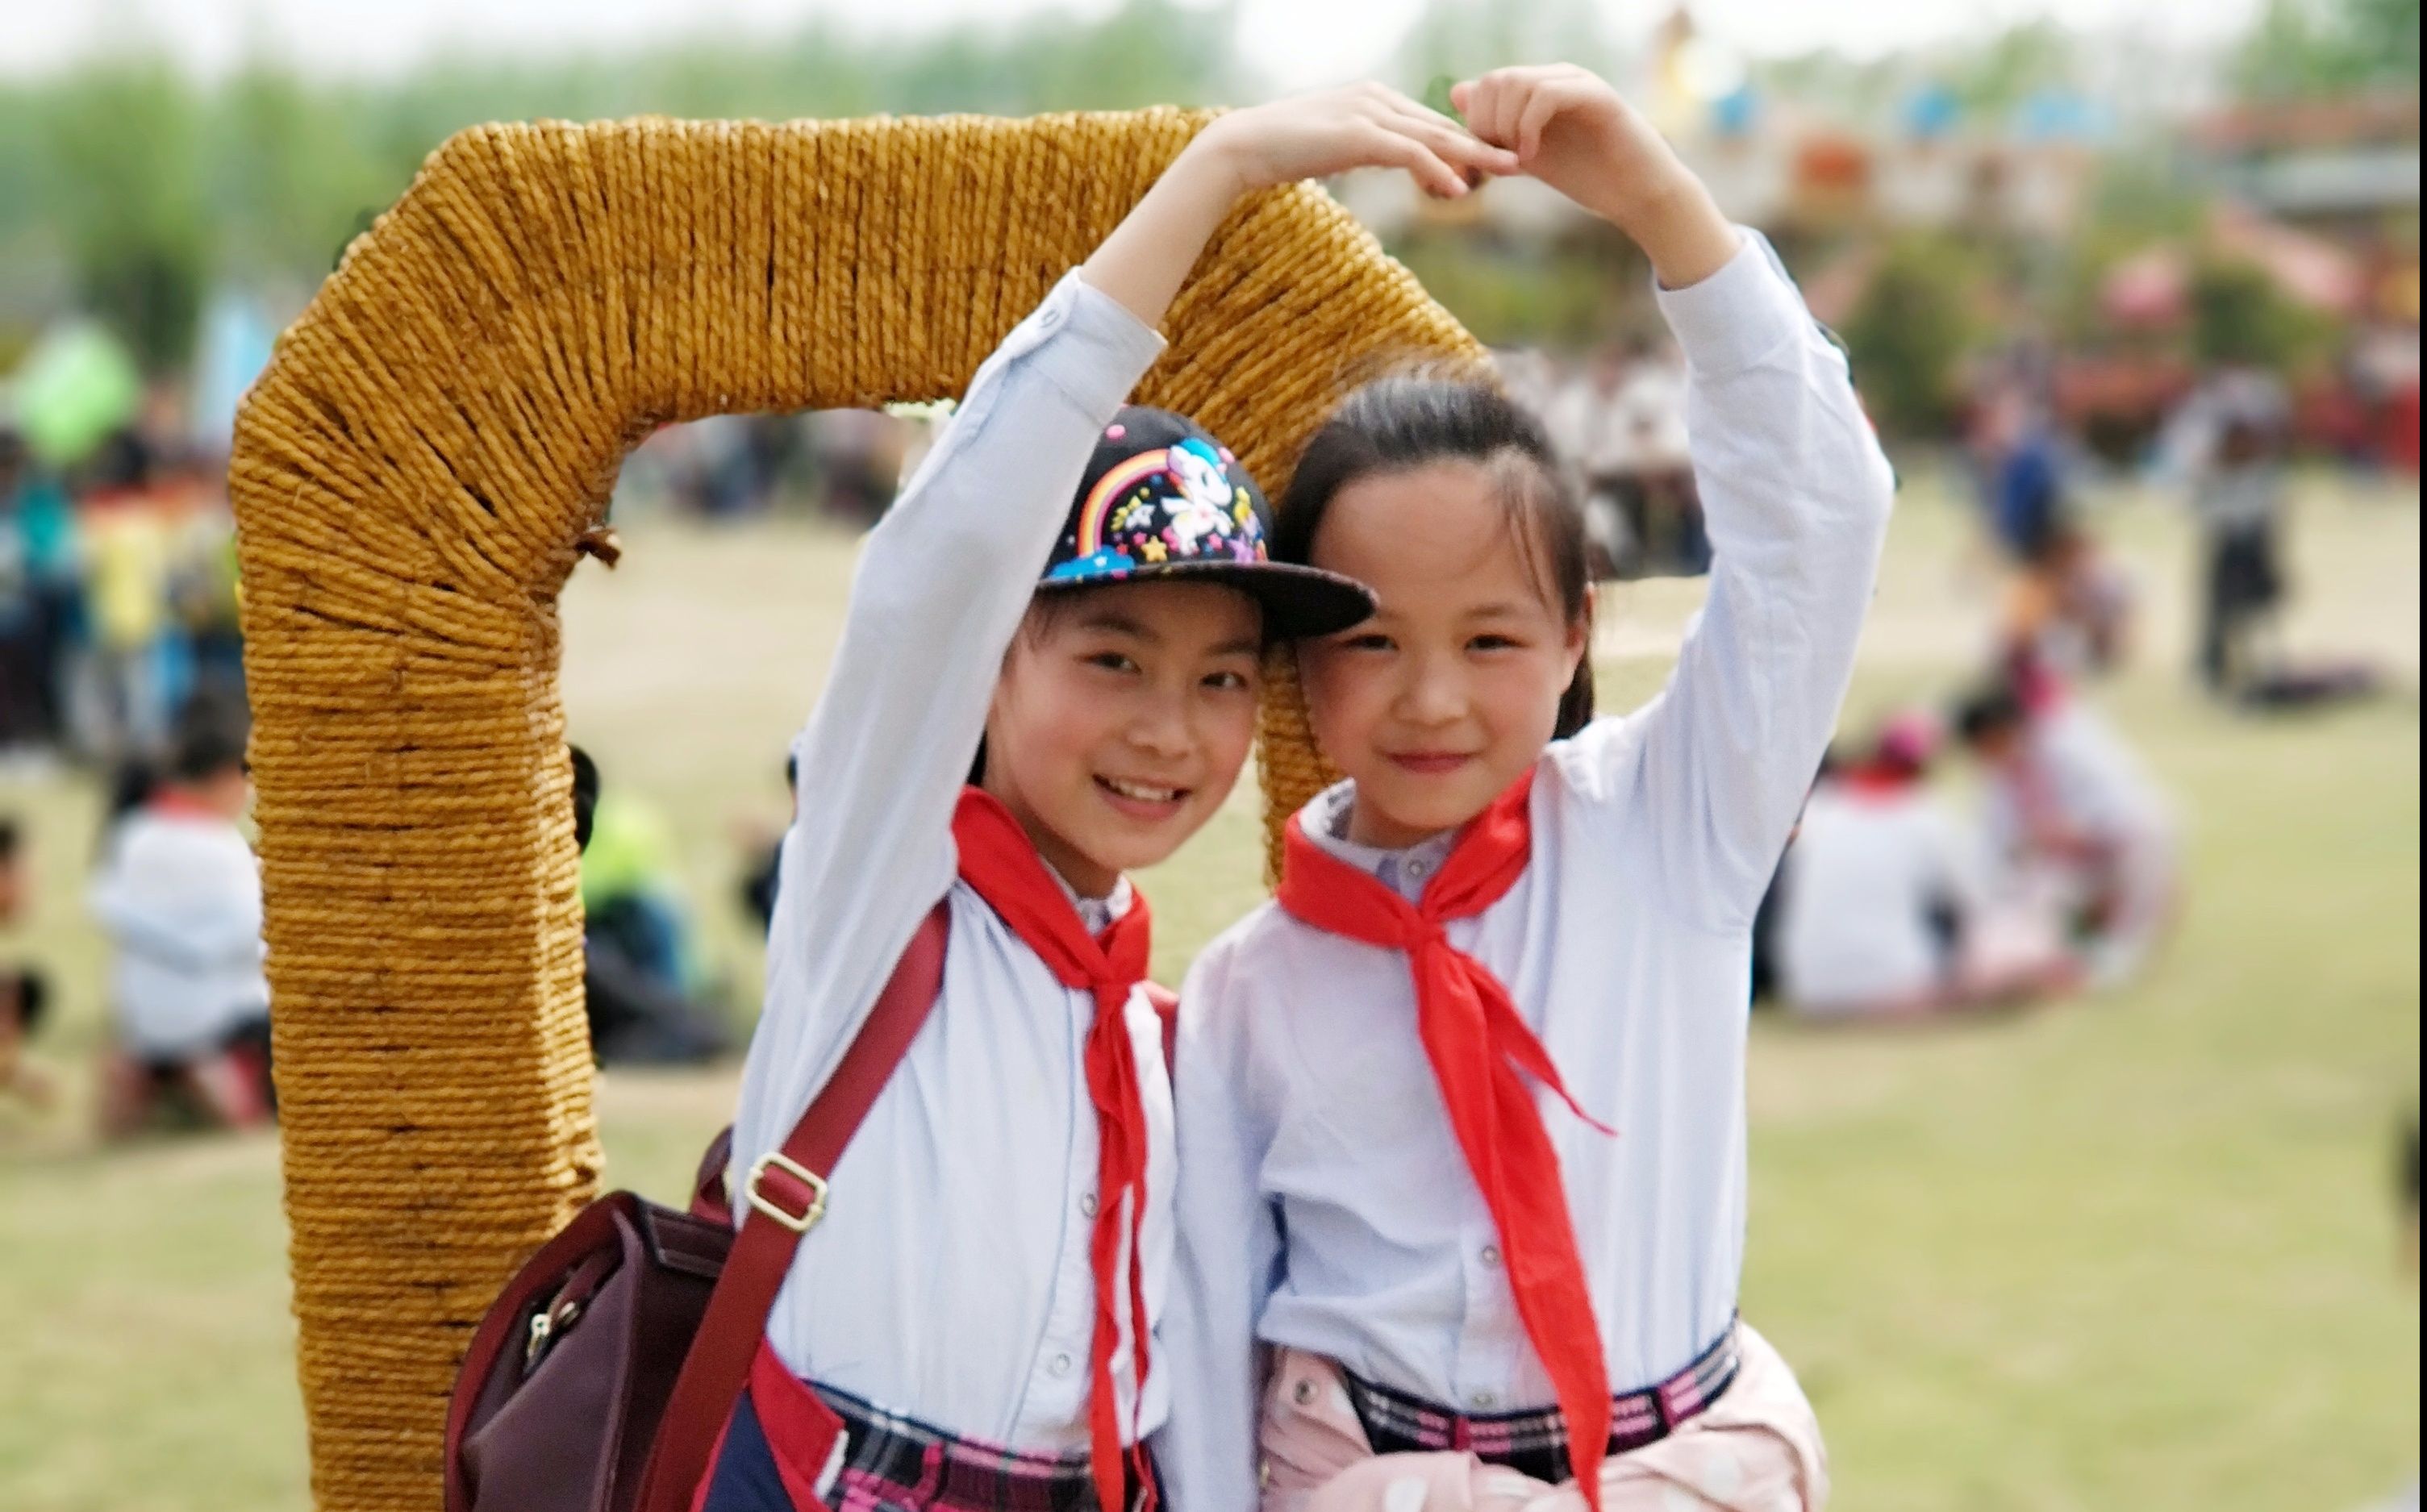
1369,827
1087,876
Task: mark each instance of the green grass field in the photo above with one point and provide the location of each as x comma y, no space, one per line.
2135,1254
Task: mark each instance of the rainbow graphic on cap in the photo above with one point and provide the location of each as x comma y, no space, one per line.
1109,489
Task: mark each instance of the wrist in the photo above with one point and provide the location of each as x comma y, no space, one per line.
1679,227
1210,164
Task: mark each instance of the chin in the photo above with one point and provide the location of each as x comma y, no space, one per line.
1125,848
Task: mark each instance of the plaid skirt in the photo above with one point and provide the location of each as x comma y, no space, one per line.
891,1463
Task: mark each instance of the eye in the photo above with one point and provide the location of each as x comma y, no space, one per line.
1369,641
1230,682
1112,662
1493,640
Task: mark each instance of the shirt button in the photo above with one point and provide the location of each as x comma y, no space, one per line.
1416,869
1049,317
1484,1399
1061,1365
1087,1206
1491,1255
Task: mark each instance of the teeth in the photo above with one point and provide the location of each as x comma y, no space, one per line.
1140,791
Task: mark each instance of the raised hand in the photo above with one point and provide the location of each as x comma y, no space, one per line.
1570,129
1144,261
1364,125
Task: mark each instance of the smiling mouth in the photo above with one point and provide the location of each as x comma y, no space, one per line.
1142,800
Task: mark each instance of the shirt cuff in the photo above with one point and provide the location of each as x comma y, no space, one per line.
1738,315
1095,349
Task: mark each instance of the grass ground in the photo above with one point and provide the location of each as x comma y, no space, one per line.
2134,1253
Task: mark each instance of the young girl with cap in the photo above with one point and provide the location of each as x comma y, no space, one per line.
980,1303
1462,1110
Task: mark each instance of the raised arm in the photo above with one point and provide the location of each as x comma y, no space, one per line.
946,578
1795,493
1793,490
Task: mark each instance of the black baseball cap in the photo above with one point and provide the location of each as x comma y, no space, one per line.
1161,498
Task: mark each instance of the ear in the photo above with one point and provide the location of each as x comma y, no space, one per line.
1580,630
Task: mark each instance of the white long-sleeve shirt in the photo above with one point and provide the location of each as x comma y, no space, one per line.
949,1280
1323,1201
179,895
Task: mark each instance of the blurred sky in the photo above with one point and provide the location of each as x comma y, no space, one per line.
1297,42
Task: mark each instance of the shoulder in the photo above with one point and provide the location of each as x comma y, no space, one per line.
1234,954
1596,765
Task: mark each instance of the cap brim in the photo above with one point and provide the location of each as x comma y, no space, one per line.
1297,601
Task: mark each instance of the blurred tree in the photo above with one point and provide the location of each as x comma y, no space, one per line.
2241,315
1994,77
123,185
143,184
1568,295
1910,330
288,175
1460,39
2315,47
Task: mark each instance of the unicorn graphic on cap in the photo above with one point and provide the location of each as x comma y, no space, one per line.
1203,511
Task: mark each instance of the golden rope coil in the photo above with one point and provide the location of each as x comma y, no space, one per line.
414,477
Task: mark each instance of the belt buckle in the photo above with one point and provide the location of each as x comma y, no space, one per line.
807,1219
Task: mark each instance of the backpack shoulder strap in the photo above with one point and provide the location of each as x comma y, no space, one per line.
786,1191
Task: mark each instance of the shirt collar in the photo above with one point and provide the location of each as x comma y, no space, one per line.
1405,871
1097,913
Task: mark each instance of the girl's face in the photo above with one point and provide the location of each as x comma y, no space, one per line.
1452,689
1122,720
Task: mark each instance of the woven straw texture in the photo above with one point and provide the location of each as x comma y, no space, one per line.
412,476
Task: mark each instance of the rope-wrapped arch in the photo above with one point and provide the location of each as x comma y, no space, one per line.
411,477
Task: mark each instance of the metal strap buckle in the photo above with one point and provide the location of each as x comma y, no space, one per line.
807,1219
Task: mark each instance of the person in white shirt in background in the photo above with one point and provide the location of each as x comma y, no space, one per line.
1409,1277
179,896
2226,445
1076,594
2075,820
1885,908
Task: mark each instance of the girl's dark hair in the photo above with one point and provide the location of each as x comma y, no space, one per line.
1400,423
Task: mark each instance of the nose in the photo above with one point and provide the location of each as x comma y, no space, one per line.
1162,728
1434,693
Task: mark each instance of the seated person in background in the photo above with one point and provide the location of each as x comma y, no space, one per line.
2074,818
758,885
179,896
1883,912
21,989
640,1011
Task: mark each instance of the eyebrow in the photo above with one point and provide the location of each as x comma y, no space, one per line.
1120,624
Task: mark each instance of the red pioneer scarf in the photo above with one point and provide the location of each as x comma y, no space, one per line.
1000,862
1483,1056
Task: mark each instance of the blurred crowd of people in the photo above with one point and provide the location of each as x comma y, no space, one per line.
118,597
1616,415
1893,901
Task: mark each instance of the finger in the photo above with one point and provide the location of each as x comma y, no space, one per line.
1462,97
1454,142
1509,88
1397,150
1483,107
1541,109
